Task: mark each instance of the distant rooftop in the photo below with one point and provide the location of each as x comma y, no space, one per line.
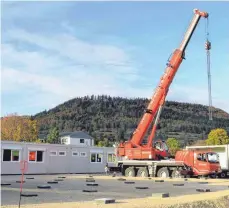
77,134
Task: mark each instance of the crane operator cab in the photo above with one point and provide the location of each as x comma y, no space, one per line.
162,150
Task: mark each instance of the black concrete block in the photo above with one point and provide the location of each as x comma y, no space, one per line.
29,177
105,200
129,182
89,191
141,187
203,190
5,184
159,180
92,184
28,195
52,182
178,184
44,187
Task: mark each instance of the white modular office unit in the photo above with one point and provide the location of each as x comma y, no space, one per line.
54,158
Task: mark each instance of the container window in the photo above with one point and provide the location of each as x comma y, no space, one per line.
83,154
10,155
93,157
7,155
53,153
32,156
99,157
39,156
62,153
36,156
15,155
111,158
75,153
96,157
81,141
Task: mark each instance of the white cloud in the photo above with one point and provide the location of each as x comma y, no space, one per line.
73,48
62,67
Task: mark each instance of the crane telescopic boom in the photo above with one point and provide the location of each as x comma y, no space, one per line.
129,148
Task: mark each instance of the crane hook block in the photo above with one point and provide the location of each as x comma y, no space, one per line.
208,45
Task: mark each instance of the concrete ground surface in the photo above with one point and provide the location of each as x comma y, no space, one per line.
69,190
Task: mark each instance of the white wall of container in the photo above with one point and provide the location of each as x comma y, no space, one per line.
54,158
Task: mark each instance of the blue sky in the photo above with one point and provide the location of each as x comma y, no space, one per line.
55,51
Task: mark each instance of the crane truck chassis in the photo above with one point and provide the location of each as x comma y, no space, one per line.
187,163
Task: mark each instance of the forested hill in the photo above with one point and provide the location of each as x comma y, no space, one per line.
114,118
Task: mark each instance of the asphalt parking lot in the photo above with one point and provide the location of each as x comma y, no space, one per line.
71,189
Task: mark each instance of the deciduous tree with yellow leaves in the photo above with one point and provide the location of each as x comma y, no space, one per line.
173,145
217,137
19,128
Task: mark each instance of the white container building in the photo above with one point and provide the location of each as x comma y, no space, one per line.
54,158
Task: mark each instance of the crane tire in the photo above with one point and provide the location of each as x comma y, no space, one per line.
222,175
176,174
130,172
163,173
143,172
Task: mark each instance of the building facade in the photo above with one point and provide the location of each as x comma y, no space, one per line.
54,158
76,138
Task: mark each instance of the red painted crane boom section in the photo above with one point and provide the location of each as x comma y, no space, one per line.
161,91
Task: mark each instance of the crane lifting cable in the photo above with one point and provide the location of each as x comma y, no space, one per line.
208,47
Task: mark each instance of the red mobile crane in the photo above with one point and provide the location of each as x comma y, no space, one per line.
145,158
133,149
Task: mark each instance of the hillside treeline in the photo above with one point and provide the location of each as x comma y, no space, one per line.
115,118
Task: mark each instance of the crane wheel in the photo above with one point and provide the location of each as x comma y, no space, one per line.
163,173
222,175
176,174
130,172
143,172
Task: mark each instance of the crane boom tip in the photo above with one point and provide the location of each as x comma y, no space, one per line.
203,14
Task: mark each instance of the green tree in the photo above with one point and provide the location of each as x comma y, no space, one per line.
217,137
173,145
104,143
100,143
53,136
